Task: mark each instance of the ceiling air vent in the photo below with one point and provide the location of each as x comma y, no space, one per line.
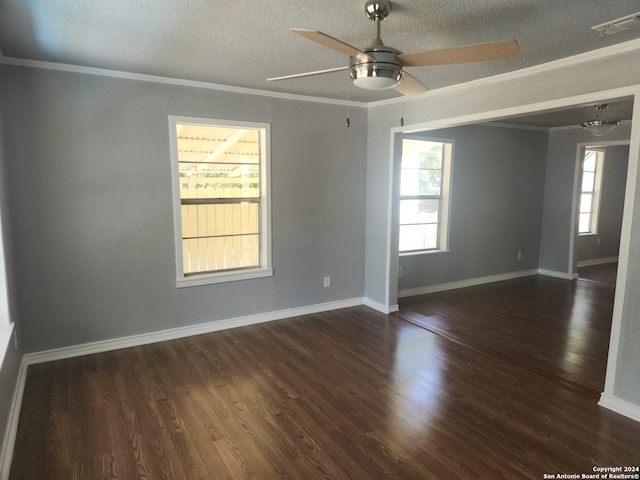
619,25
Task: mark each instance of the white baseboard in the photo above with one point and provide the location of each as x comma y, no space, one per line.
597,261
620,406
465,283
181,332
11,429
380,307
556,274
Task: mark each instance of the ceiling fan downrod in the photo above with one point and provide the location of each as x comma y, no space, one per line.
377,10
381,70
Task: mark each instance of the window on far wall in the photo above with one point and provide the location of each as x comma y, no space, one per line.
592,165
424,195
221,201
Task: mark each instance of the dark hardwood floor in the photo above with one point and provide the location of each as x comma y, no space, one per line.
604,274
552,327
348,394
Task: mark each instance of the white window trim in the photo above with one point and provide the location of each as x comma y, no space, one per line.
445,199
597,190
265,269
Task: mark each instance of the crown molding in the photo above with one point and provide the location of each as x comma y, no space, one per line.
598,54
103,72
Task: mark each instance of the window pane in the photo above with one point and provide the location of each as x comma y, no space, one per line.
419,211
589,161
217,237
218,162
588,181
418,237
584,225
586,202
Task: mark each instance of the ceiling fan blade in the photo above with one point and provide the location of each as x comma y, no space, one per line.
308,74
480,52
333,43
410,85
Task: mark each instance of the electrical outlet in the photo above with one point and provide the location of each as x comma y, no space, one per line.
327,282
598,241
519,254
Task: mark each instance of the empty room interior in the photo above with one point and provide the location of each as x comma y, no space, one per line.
340,240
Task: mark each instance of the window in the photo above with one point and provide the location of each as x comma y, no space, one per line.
424,195
221,202
592,165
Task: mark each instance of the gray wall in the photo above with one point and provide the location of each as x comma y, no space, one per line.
614,178
91,206
561,170
496,206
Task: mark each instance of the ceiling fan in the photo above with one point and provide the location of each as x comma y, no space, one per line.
379,67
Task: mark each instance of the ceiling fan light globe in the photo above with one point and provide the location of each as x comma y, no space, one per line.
375,83
599,128
375,76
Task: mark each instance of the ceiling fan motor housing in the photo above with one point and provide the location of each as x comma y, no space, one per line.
382,73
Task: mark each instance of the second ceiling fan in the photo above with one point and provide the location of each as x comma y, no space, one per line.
379,67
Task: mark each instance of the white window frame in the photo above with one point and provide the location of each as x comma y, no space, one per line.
445,197
596,192
6,325
265,268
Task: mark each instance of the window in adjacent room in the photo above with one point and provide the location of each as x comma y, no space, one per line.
592,165
424,195
221,200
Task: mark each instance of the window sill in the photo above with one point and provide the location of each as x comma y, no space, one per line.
588,234
423,252
223,277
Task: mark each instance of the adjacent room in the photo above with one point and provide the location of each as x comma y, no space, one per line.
250,241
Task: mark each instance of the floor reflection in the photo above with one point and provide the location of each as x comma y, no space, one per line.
417,377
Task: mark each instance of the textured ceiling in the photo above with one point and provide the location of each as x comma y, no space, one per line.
243,42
